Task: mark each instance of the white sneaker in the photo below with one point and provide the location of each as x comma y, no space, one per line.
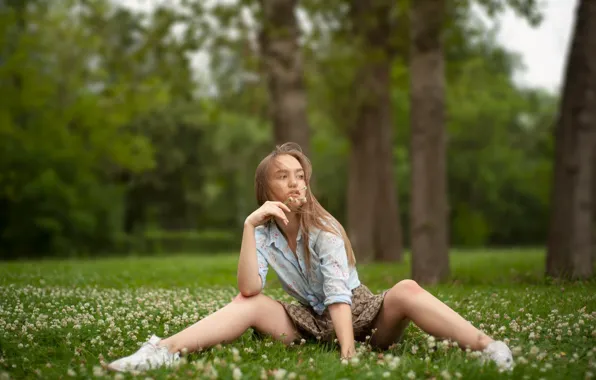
149,356
500,354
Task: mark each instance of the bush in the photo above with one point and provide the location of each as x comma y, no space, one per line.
189,241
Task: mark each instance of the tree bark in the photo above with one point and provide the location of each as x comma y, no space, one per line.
571,224
373,210
283,64
428,213
594,206
362,188
389,237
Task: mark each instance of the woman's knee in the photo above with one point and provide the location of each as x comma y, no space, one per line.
260,310
404,290
253,305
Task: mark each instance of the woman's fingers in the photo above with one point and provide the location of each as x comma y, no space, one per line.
283,206
276,210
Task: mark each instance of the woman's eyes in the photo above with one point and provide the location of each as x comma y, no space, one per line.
284,176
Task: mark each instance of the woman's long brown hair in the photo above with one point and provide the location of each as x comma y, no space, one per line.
312,214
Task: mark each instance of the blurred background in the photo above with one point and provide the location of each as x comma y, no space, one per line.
136,126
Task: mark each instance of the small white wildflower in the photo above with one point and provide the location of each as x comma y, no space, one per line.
279,374
411,375
237,373
386,374
445,374
98,371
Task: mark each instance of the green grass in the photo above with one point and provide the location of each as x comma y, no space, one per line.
62,318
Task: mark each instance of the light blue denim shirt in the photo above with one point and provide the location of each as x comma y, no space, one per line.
331,279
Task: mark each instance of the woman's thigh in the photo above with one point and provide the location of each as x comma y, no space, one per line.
390,324
270,318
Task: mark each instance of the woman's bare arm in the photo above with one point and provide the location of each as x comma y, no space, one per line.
249,281
341,315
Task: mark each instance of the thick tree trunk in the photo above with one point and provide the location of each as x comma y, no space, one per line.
282,59
373,211
571,226
594,206
430,252
388,238
362,187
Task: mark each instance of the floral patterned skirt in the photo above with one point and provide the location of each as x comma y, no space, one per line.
365,307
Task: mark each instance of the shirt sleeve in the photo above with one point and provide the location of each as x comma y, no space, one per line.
335,269
263,266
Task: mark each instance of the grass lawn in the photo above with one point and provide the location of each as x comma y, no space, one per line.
61,319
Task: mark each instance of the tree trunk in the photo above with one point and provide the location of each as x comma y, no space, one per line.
594,205
373,211
283,64
571,226
388,238
362,187
428,213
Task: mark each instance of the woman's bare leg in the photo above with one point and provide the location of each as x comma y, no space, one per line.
407,301
230,322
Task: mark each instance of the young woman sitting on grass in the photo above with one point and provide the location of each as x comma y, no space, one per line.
312,256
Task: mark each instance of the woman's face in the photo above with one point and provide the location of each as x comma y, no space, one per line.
287,180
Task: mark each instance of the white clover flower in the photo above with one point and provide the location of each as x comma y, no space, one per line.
411,375
237,373
98,371
279,374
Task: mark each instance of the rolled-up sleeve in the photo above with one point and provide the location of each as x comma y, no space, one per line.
263,267
335,269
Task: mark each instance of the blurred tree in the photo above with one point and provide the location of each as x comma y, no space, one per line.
571,224
282,60
373,214
62,126
430,252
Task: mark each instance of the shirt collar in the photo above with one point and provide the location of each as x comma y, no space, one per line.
276,237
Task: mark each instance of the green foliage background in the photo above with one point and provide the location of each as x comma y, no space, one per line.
111,141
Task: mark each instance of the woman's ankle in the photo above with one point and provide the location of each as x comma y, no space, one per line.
483,341
171,346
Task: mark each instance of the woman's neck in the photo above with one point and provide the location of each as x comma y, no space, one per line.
291,230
